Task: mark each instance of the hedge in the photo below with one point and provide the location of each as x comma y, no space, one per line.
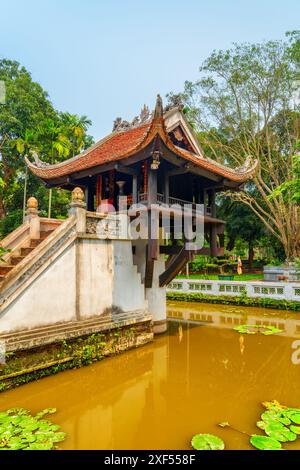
238,300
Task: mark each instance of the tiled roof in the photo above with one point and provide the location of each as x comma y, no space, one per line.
111,148
120,145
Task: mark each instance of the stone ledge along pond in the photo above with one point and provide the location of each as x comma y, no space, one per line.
199,374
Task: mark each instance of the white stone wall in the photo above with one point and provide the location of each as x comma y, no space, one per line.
88,279
128,290
49,299
156,296
95,277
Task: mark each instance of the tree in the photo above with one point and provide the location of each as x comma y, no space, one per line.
241,224
28,122
27,105
242,106
76,129
290,190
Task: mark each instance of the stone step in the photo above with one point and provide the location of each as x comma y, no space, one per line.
35,243
46,234
16,259
56,334
63,326
26,251
5,269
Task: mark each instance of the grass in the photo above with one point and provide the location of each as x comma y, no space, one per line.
214,277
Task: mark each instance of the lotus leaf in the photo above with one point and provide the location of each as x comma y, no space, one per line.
295,429
264,442
253,329
40,446
274,405
19,430
293,415
207,442
261,425
271,416
47,411
280,433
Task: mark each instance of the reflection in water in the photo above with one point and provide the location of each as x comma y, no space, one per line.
242,344
229,317
185,382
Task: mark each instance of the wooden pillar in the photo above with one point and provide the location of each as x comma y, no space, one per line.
134,189
167,187
152,187
153,243
90,198
213,240
212,202
205,199
152,215
98,191
145,175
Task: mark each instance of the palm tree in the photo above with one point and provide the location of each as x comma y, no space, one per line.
23,146
56,144
76,127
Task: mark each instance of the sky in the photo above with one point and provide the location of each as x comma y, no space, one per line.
106,59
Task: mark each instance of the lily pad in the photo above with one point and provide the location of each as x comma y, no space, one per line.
21,431
271,416
254,329
264,443
207,442
47,411
261,425
280,433
293,415
295,429
274,406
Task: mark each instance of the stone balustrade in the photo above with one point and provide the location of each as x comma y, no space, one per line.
258,289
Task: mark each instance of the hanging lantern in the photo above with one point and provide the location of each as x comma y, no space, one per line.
156,160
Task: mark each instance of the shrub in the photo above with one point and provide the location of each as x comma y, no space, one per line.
239,300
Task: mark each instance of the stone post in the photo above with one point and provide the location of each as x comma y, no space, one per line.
78,209
32,217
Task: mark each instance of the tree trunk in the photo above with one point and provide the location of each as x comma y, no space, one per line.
2,208
250,255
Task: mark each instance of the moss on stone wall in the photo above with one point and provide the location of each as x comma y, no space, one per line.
24,366
238,300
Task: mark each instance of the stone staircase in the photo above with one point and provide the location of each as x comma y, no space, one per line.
51,334
24,251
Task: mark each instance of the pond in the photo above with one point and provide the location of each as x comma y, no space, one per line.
186,382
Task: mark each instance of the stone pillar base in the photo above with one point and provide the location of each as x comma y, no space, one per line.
159,327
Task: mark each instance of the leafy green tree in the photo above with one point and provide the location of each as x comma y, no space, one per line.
28,122
243,107
241,224
76,129
26,106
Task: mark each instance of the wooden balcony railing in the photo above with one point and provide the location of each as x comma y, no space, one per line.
143,198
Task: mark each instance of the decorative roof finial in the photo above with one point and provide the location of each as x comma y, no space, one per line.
159,109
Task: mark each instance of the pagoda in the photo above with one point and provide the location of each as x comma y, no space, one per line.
155,160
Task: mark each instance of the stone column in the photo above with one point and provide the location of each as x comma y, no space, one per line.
78,209
32,218
156,297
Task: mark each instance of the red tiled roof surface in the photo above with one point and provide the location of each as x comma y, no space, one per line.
120,145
